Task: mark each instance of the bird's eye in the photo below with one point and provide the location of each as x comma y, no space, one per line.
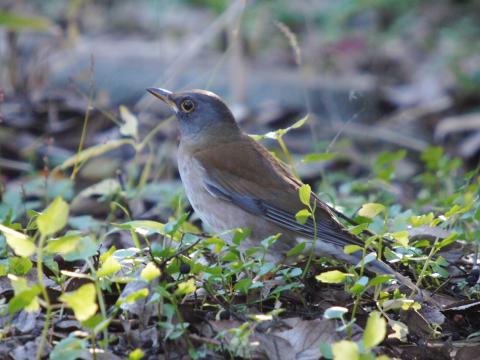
187,105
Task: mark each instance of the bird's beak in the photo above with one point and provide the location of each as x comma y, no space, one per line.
165,96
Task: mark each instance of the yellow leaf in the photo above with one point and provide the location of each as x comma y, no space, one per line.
20,243
109,267
375,330
345,350
371,210
401,237
304,194
94,151
331,277
82,301
54,218
150,272
186,287
130,126
63,245
21,288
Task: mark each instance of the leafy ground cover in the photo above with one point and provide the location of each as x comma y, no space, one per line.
101,256
77,286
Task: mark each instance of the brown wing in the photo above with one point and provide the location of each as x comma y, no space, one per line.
258,183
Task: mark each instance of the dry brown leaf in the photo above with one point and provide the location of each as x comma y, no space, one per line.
296,340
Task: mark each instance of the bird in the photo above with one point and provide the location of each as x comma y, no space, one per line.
232,181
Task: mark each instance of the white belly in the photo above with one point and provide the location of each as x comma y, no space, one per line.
220,215
205,205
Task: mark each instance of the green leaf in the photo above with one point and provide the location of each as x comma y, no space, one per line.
302,216
350,249
84,249
20,243
368,258
150,272
379,279
335,312
125,253
309,158
432,156
218,244
371,210
26,300
326,350
375,330
359,285
102,325
385,164
70,348
17,22
332,277
297,249
457,209
25,295
63,245
448,240
136,354
97,323
82,301
84,222
240,234
19,265
358,229
3,268
269,241
401,237
304,193
186,287
54,218
143,227
243,285
421,220
295,272
94,321
136,295
345,350
109,267
265,269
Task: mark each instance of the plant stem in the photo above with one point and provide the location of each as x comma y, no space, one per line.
83,134
357,299
94,345
48,307
312,247
153,132
101,303
354,312
425,265
287,155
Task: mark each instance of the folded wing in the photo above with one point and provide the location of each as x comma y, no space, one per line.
268,191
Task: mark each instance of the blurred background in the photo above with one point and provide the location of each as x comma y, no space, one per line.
381,80
368,101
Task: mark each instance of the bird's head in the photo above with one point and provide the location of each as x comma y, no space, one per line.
202,115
